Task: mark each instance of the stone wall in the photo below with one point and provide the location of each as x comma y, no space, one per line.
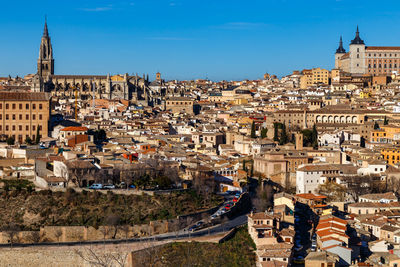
82,233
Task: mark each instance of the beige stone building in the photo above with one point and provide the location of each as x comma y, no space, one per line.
314,76
362,59
180,104
24,114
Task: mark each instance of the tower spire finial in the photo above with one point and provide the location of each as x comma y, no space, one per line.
340,50
45,31
357,39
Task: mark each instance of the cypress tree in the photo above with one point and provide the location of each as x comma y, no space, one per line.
253,130
284,138
37,141
385,121
276,137
314,137
264,133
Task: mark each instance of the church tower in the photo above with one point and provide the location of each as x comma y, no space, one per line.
45,63
357,53
339,53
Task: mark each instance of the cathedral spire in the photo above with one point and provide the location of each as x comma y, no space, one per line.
45,62
45,31
340,49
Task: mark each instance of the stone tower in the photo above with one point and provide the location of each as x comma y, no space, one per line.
298,141
357,52
339,53
158,76
45,63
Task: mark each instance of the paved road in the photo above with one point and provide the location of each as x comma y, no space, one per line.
221,228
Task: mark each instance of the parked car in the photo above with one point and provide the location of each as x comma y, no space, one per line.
192,228
235,199
96,186
109,186
313,247
195,226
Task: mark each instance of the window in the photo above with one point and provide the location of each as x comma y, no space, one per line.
33,117
40,106
13,116
27,128
13,127
27,106
33,106
20,106
13,106
7,106
40,116
20,127
6,127
7,117
27,117
20,116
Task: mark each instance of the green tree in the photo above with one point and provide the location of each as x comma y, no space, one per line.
307,137
276,132
37,141
10,141
264,133
376,126
385,121
283,138
253,130
28,140
362,142
314,137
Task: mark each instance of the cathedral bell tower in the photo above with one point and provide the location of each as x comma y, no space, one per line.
45,63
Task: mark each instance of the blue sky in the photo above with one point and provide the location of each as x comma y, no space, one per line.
186,39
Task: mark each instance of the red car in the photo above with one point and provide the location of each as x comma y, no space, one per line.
235,199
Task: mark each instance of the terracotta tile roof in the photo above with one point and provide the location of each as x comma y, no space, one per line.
332,219
387,195
310,196
260,215
373,48
329,232
331,225
24,96
75,128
